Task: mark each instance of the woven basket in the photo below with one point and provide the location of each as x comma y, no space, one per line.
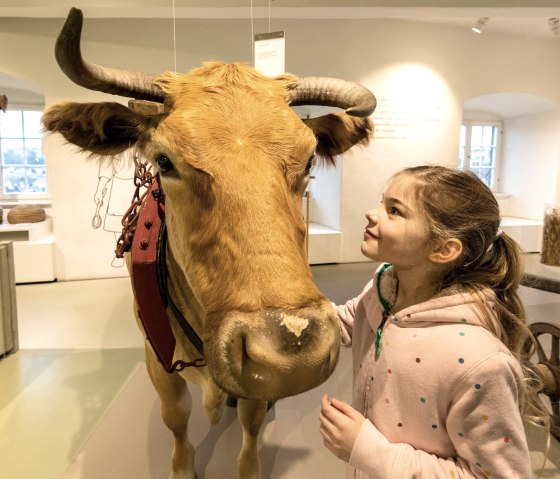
26,214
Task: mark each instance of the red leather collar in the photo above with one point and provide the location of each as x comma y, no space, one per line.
149,283
144,276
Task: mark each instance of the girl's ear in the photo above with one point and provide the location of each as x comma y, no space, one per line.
447,252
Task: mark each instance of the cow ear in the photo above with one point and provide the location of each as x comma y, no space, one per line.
101,128
338,132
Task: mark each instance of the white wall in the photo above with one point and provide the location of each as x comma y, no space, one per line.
531,149
421,73
324,195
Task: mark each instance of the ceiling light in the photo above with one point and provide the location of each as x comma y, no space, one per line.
478,26
554,26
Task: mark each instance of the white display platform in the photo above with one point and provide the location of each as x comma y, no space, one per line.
33,250
324,244
527,232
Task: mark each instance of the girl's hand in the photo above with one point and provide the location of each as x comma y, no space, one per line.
340,425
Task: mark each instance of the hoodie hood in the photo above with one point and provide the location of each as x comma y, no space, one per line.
449,306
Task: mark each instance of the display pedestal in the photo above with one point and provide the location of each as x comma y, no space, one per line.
33,245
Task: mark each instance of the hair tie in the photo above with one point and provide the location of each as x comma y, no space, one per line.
498,234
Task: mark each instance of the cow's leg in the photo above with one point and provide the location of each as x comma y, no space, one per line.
251,414
213,401
176,406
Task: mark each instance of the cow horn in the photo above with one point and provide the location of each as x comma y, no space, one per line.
355,99
94,77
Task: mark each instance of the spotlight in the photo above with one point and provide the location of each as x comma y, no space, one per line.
478,26
554,26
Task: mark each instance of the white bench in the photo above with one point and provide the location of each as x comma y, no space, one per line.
527,232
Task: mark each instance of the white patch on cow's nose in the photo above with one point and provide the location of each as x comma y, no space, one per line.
294,324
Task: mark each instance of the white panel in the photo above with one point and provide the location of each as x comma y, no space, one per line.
527,232
8,306
324,245
34,261
4,288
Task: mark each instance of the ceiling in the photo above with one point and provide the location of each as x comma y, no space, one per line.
526,17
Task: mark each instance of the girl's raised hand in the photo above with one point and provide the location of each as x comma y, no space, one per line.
340,425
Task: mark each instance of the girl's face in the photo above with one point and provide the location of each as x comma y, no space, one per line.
396,231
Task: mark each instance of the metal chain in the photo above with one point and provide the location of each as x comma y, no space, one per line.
179,365
143,178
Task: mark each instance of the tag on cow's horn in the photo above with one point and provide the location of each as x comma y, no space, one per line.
146,107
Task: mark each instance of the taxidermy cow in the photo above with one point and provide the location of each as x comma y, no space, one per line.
233,162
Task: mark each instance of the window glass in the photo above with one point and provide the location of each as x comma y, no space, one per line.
36,180
12,152
11,125
478,150
462,146
14,179
33,153
22,164
32,124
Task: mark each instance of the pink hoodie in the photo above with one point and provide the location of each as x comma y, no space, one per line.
441,398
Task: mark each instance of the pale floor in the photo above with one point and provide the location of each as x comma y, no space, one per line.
76,402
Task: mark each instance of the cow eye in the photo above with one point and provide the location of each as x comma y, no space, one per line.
309,164
164,163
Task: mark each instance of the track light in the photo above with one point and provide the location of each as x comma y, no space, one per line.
554,26
478,26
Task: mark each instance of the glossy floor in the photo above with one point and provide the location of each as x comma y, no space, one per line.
76,402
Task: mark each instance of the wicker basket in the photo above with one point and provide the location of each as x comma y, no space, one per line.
550,253
26,214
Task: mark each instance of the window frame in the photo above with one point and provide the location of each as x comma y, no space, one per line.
15,198
468,125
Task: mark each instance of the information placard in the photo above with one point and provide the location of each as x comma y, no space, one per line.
270,53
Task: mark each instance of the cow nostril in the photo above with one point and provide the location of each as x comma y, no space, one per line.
253,363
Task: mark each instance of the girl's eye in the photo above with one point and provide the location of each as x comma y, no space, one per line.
394,211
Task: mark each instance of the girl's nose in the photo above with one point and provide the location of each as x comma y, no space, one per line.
371,215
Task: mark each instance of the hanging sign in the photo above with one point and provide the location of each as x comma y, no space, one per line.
270,53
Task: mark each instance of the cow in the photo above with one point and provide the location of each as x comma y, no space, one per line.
233,162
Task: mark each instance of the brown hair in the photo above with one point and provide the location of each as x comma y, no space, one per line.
457,204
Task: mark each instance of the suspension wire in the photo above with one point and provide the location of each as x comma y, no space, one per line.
252,35
174,38
269,30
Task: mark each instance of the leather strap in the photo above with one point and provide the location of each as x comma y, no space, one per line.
151,307
149,283
194,338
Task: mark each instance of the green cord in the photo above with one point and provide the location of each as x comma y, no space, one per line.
386,311
378,342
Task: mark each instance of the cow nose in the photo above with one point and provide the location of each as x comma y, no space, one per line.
295,346
272,354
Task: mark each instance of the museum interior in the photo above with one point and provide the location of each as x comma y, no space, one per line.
470,85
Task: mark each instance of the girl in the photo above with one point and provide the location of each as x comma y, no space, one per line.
437,339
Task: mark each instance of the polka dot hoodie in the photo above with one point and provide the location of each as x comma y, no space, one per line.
440,393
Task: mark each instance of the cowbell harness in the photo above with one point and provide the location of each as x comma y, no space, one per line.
145,236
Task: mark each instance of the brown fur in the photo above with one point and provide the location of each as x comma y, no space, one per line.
236,261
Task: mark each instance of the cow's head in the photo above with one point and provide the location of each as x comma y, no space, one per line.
234,163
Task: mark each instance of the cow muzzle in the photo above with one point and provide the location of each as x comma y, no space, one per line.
273,354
